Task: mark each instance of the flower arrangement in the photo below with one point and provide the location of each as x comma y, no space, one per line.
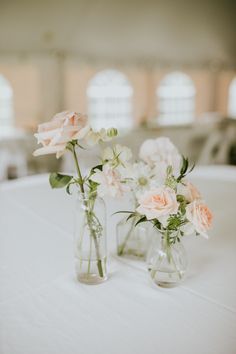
169,201
163,196
70,131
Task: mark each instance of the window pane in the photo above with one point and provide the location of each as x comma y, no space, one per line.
232,99
176,99
6,104
110,100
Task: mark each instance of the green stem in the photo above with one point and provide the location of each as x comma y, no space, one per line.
81,184
90,255
167,246
92,232
121,248
170,258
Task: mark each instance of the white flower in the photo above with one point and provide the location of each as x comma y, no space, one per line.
109,181
159,171
94,137
118,155
138,176
160,151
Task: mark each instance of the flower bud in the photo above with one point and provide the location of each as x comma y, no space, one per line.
112,132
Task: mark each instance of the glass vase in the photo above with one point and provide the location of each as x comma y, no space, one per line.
132,241
90,240
167,262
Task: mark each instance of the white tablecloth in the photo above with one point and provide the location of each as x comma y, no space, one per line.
44,310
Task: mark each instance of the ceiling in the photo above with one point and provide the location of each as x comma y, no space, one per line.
176,32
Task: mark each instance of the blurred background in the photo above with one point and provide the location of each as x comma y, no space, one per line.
149,68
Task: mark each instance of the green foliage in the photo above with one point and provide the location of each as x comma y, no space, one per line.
68,188
170,179
131,216
142,219
123,212
182,203
157,224
174,223
98,167
112,132
58,180
185,170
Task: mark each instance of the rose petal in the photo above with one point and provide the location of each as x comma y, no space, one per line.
46,150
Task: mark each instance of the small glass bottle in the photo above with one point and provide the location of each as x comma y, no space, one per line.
132,241
90,240
167,262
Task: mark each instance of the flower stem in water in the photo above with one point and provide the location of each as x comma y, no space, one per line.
92,233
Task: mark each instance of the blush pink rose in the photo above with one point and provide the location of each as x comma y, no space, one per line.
189,191
199,216
63,127
158,203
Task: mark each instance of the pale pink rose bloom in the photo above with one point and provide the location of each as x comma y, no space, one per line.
109,181
160,151
158,203
189,191
200,216
63,127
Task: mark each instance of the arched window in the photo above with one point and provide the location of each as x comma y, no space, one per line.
232,99
6,104
110,100
176,99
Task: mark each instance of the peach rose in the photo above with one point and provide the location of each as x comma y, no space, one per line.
158,203
189,191
200,216
63,127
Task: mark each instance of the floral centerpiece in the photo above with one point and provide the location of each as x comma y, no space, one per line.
173,206
142,175
70,131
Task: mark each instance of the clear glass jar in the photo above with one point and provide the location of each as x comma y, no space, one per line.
90,240
132,241
167,263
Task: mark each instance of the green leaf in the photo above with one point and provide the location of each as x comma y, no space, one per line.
143,219
180,198
131,216
57,180
184,166
98,167
156,223
68,188
191,168
123,212
80,146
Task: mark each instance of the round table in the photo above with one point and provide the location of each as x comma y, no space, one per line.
44,310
